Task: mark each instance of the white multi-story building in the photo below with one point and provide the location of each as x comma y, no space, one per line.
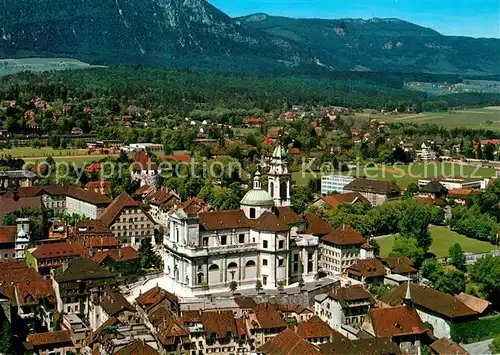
340,249
334,183
260,241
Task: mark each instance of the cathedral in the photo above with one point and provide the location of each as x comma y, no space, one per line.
263,241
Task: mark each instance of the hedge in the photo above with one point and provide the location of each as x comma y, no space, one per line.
476,330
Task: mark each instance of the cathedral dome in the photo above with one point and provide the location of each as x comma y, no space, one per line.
257,196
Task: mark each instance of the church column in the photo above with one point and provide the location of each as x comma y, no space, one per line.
315,261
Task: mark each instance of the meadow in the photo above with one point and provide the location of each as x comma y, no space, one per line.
442,240
12,66
479,118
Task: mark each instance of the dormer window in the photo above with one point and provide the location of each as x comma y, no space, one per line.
252,213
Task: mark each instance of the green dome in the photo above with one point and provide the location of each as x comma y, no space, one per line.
257,197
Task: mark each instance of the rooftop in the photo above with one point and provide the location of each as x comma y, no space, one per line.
438,302
396,321
344,235
351,197
82,269
381,187
288,343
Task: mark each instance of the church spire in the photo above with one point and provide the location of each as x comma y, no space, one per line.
279,179
407,300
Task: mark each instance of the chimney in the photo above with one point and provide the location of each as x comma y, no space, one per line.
343,227
91,252
15,193
120,253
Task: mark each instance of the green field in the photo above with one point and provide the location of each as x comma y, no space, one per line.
11,66
480,118
408,173
442,240
24,152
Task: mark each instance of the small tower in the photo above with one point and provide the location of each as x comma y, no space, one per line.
279,179
256,201
23,237
407,300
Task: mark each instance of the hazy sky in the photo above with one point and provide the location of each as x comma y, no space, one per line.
475,18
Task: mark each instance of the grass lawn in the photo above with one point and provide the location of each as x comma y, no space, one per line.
472,118
22,152
442,240
77,160
11,66
408,173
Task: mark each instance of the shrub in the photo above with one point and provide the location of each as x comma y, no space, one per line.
476,330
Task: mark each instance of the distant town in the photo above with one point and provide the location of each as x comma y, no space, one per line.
301,229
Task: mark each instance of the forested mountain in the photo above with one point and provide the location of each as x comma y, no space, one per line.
193,33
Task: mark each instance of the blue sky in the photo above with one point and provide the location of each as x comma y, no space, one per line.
475,18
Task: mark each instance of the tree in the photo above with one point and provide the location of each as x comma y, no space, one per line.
233,285
379,289
486,274
147,256
452,281
258,286
280,286
408,246
411,190
457,257
302,196
431,270
35,143
495,345
376,247
6,340
414,222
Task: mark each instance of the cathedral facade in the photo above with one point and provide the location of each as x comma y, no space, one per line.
262,241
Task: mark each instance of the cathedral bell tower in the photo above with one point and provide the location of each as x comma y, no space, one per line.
279,179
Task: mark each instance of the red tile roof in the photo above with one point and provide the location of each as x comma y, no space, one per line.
101,187
195,205
396,321
268,316
444,346
346,295
367,268
351,197
59,250
31,292
476,304
137,347
99,242
288,343
234,219
14,275
399,265
314,328
438,302
462,193
254,121
8,204
176,157
219,323
316,225
241,326
60,190
344,235
288,215
154,296
169,329
116,255
49,338
8,234
113,211
142,161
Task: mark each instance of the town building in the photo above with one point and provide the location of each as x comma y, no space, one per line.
334,183
263,240
445,346
144,169
19,178
335,200
451,183
64,199
316,331
124,262
263,323
375,191
128,220
435,307
340,249
344,309
50,343
74,282
14,240
367,271
425,153
288,342
433,189
49,256
460,196
109,303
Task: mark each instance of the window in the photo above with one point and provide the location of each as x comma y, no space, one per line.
205,241
250,263
295,257
232,265
264,244
200,278
264,280
213,267
281,244
252,213
264,262
295,267
223,239
281,262
241,238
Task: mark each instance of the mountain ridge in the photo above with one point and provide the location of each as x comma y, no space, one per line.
194,33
